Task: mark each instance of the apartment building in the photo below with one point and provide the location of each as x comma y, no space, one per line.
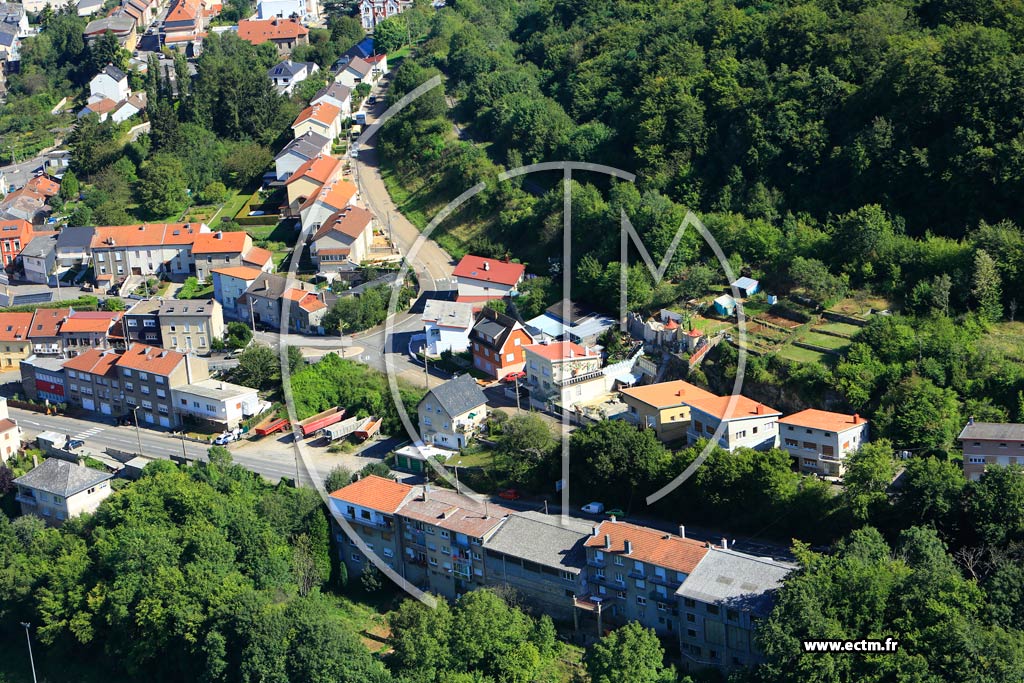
146,249
57,490
663,407
92,382
218,403
190,326
990,444
219,250
42,378
229,284
370,505
142,322
452,412
821,440
748,423
633,573
722,601
497,344
15,346
563,373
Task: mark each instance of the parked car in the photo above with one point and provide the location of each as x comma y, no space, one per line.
513,376
510,494
594,508
225,438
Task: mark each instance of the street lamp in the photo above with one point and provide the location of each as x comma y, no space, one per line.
31,659
458,489
138,432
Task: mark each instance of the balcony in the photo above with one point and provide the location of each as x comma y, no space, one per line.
26,498
577,379
593,562
385,524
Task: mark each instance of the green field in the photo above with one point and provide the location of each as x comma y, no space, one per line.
825,341
845,329
801,355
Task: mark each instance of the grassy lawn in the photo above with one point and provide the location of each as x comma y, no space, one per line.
845,329
860,304
234,204
800,355
283,232
1005,339
708,325
475,457
824,340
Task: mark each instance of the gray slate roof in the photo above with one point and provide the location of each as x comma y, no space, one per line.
336,90
735,580
114,72
193,307
39,246
75,237
268,286
540,538
360,66
306,146
497,326
993,431
448,313
62,478
289,68
459,395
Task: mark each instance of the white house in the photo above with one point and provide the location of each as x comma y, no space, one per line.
564,373
135,104
110,83
447,325
39,257
147,249
307,10
229,284
748,424
307,146
483,279
451,413
337,94
343,240
10,433
820,440
288,74
57,490
355,72
220,402
372,12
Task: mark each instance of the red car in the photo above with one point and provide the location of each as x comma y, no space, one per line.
510,494
513,376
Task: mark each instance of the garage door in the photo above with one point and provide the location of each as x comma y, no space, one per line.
88,403
105,408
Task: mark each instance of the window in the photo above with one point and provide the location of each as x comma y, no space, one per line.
713,609
641,600
732,615
433,562
143,375
741,434
792,443
566,576
691,633
356,557
133,323
618,561
691,618
974,459
127,372
510,357
689,602
445,534
753,430
619,578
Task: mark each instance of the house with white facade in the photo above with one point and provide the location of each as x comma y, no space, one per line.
307,146
343,240
337,94
356,71
146,249
229,284
563,373
110,83
451,413
306,10
322,118
57,490
821,440
447,325
372,12
484,279
748,423
288,74
211,400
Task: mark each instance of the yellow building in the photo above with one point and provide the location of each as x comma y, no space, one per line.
14,342
663,407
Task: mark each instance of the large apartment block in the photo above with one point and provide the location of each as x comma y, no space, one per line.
708,599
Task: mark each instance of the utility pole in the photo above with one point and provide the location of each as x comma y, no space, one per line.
184,453
138,432
31,659
426,371
252,316
518,409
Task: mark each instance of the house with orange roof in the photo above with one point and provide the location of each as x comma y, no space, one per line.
91,381
745,423
343,240
322,118
219,250
44,330
564,374
15,234
15,344
184,24
482,279
307,180
25,204
229,284
284,33
146,249
85,330
260,258
662,407
335,196
633,573
821,440
306,311
44,185
265,298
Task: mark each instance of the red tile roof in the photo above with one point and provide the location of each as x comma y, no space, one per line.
144,235
667,394
351,221
220,243
489,270
257,255
716,406
449,510
563,350
824,420
90,321
44,185
322,112
319,169
184,10
94,361
649,545
240,272
15,326
338,194
258,31
150,359
375,493
46,321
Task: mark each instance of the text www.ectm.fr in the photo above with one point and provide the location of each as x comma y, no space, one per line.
887,645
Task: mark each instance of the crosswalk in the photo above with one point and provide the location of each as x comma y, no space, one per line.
88,434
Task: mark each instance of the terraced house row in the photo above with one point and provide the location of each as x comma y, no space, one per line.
706,599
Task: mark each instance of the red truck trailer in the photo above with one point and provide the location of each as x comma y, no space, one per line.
311,425
369,428
271,425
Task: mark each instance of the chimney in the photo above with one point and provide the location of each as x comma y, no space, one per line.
612,519
487,266
607,541
629,547
970,420
856,419
725,544
757,409
426,491
682,531
355,477
218,235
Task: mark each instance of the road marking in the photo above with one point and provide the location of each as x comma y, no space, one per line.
88,433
